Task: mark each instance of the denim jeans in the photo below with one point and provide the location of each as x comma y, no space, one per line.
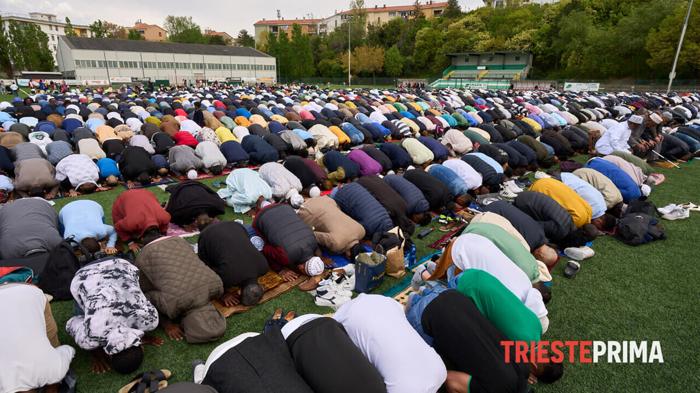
417,303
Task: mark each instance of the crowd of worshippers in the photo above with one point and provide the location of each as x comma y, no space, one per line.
317,170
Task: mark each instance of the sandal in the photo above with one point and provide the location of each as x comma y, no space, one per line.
572,268
148,382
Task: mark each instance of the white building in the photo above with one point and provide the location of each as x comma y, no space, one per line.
119,61
49,24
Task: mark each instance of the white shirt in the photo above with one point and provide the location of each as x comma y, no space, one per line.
472,251
28,360
298,322
379,328
465,172
614,139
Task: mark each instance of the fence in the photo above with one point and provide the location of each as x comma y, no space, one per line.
342,81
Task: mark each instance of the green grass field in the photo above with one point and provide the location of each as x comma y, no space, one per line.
623,293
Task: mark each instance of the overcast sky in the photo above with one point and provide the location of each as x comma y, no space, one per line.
229,16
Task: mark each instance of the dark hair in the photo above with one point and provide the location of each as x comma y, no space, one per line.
551,372
216,169
87,188
91,245
202,220
616,210
251,293
609,221
127,361
545,290
150,235
36,191
425,219
144,178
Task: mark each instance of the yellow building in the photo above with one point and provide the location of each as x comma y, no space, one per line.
150,32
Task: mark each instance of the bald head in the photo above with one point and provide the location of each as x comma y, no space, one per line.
546,254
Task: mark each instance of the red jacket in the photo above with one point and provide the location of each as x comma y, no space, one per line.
185,138
134,211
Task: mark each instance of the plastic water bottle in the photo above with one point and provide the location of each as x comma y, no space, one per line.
410,256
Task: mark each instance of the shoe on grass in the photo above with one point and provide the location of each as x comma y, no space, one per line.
579,253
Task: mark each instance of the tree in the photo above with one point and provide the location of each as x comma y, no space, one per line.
134,35
5,55
302,60
213,39
98,29
366,60
68,29
661,43
245,39
418,10
113,30
28,47
393,62
452,10
183,29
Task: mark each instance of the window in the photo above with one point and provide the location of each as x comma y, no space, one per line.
197,66
160,34
517,58
392,14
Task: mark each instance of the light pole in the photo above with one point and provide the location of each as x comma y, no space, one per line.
672,75
349,51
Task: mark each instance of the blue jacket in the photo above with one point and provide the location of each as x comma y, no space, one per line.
259,151
415,200
355,201
233,151
439,150
398,156
356,136
628,188
333,159
449,178
108,167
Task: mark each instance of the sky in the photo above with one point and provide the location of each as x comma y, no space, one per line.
229,16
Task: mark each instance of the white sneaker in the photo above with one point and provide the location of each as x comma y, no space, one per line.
510,185
667,209
541,175
507,194
390,172
337,282
579,253
677,214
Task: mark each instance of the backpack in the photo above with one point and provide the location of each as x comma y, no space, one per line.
639,228
639,206
61,266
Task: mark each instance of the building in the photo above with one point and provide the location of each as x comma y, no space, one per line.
102,60
226,36
264,28
515,3
379,15
376,15
150,32
49,24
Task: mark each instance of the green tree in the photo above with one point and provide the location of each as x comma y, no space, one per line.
183,29
302,61
98,29
29,47
134,35
245,39
6,54
393,62
418,10
215,40
68,29
284,55
661,43
452,10
367,60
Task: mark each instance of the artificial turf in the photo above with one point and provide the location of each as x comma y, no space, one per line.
623,293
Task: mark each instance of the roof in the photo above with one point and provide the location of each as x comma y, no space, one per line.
488,53
21,18
146,25
108,44
273,22
398,8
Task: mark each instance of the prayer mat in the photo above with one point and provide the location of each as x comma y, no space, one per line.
442,242
405,282
176,230
204,175
274,286
136,185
